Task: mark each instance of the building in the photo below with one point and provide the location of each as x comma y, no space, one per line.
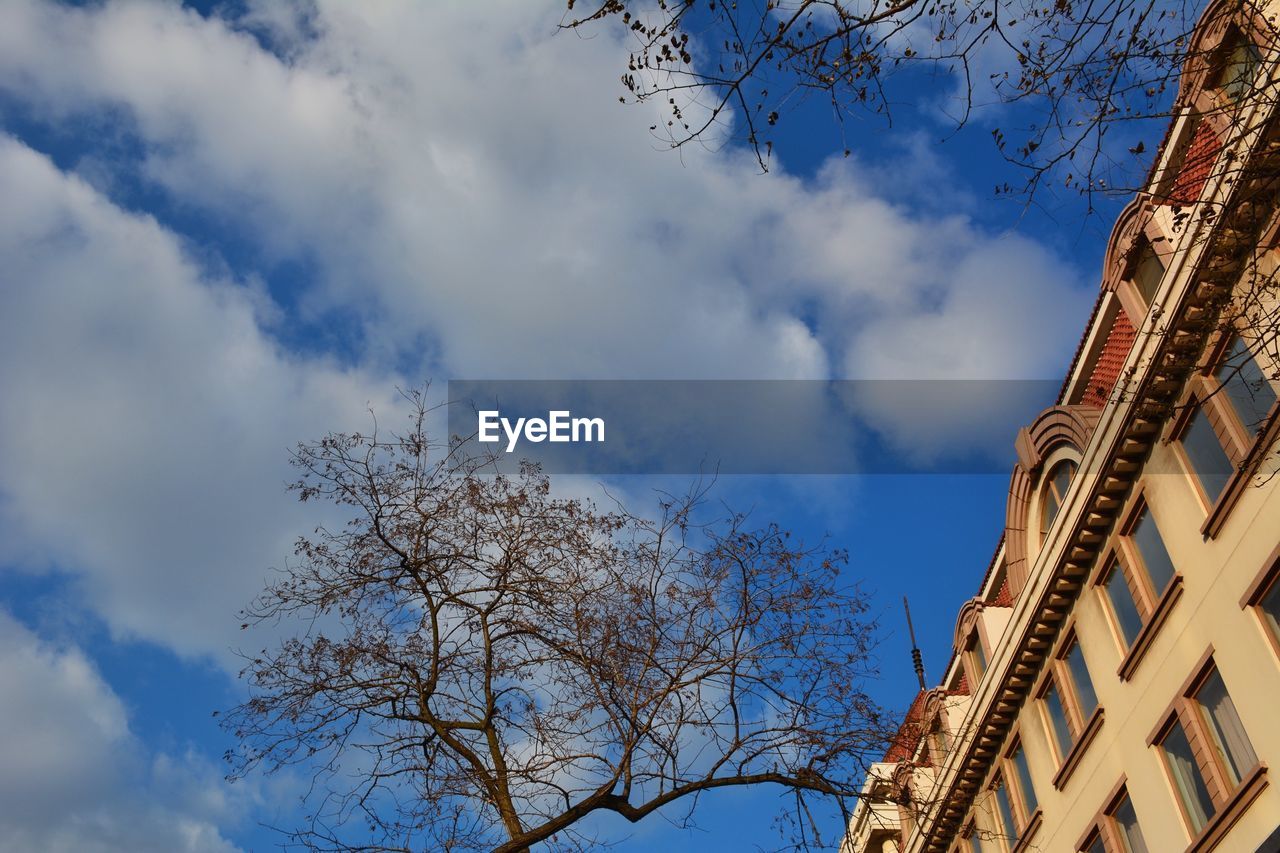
1114,685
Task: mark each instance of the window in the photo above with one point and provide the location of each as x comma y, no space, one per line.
1187,776
1227,410
1124,821
1146,272
1015,796
1206,749
973,844
1005,827
1239,66
976,657
1248,391
1096,846
1055,491
1069,699
1266,598
1116,828
939,743
1063,737
1209,461
1263,597
1232,744
1086,699
1155,557
1123,606
1026,791
1140,579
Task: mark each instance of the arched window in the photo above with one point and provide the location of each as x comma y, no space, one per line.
1054,492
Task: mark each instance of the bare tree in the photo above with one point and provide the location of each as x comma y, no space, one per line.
483,664
1089,94
1087,86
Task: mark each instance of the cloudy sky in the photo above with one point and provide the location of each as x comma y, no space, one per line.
225,230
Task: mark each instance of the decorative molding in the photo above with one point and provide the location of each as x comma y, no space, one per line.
1054,427
967,622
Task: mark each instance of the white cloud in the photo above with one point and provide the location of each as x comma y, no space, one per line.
75,779
465,187
468,192
147,418
466,173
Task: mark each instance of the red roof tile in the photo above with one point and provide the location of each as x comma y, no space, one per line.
1110,362
903,745
1201,154
1003,597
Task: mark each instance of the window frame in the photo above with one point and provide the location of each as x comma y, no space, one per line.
1206,394
1228,800
1082,727
976,657
1153,606
1246,433
1264,583
1035,531
1007,836
1132,300
1048,489
1233,39
1025,816
1113,823
1105,826
938,737
1093,838
1060,751
1019,780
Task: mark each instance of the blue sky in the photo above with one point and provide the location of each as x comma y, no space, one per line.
228,229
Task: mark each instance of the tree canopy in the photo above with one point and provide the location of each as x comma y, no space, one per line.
482,664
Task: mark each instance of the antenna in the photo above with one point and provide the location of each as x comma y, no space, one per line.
917,663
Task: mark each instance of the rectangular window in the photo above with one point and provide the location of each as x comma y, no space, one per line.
1209,461
1269,606
1070,704
1155,557
1096,845
1245,387
1206,748
1128,618
1026,790
938,741
977,657
1125,820
1081,681
1239,67
1147,272
1004,813
1187,777
1141,582
1059,728
1233,746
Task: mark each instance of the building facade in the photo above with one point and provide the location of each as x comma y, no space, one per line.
1114,685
